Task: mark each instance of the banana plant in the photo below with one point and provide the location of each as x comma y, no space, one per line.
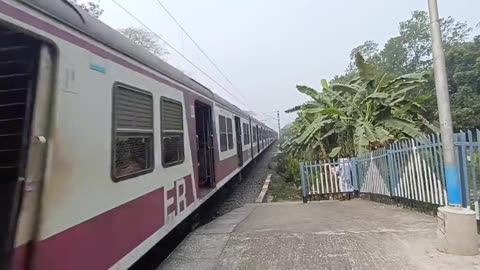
364,114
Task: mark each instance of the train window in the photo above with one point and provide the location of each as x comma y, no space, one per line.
223,133
230,133
254,135
246,138
173,150
132,142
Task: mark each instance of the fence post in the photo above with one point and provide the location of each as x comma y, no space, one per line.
354,176
304,182
391,169
462,165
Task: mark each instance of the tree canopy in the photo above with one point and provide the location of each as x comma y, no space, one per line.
338,122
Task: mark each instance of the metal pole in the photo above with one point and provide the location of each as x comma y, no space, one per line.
278,119
454,193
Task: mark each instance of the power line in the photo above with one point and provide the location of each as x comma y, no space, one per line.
271,117
175,50
198,47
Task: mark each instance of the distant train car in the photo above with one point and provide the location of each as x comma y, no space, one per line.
104,149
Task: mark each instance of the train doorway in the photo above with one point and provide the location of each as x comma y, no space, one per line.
25,92
205,151
238,133
258,140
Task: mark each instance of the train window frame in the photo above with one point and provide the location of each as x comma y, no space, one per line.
164,132
246,137
230,133
131,133
223,147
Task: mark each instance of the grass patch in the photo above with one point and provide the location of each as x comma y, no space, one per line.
281,190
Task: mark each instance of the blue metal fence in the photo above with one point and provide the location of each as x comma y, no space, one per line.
410,169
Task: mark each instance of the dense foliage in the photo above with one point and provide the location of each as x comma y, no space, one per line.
364,114
374,102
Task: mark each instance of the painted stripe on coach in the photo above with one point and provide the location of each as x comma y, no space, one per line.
101,241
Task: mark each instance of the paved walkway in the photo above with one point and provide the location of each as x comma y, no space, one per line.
355,234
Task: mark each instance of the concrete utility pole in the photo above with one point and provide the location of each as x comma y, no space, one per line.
457,226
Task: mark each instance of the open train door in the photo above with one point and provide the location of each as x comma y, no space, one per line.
238,133
26,71
205,149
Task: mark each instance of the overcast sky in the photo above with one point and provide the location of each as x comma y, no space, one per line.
266,47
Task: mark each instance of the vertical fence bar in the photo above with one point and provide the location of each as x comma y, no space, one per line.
374,174
475,163
398,175
431,180
442,171
391,174
335,166
403,170
325,174
411,186
464,171
362,175
434,171
419,171
354,174
316,177
407,171
321,176
303,180
412,171
471,152
387,169
397,189
309,177
431,174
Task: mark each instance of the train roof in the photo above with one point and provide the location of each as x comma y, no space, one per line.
79,19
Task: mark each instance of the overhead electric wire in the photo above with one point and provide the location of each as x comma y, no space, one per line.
179,53
199,48
271,117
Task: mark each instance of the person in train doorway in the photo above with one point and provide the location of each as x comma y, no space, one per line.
344,176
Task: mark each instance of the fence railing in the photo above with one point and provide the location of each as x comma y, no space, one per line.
408,169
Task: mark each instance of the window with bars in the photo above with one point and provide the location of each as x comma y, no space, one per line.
132,142
246,137
173,149
223,133
230,133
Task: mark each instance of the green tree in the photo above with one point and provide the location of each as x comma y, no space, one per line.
394,56
411,50
369,50
416,39
463,68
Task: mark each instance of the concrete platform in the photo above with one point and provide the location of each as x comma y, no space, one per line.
355,234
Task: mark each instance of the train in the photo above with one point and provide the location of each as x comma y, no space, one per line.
104,148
